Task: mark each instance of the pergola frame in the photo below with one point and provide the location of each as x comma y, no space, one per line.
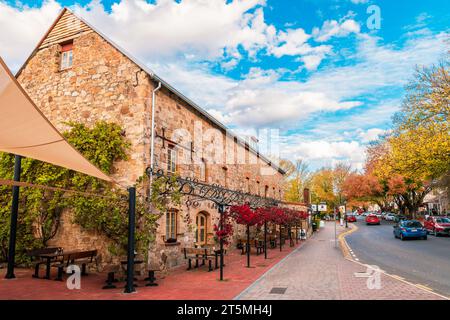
216,193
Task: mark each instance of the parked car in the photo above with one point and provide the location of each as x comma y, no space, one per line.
437,225
410,229
389,217
379,215
351,218
372,219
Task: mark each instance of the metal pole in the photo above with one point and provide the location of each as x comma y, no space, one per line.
345,212
13,224
265,239
129,288
248,246
280,237
335,237
221,211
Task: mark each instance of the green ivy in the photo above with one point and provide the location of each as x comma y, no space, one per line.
40,210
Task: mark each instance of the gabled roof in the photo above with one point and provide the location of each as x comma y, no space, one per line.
156,78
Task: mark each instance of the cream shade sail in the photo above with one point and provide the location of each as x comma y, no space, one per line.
25,131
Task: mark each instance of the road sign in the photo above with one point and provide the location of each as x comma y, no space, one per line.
314,207
322,207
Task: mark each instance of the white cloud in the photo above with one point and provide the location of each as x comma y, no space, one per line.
333,28
325,153
359,1
22,28
370,134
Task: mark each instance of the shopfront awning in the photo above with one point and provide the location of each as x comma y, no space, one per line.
25,131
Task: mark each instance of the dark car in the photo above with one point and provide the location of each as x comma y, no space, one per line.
410,229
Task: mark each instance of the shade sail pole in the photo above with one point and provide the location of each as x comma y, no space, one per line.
13,224
221,212
129,287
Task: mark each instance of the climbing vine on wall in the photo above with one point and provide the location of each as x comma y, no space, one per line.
40,210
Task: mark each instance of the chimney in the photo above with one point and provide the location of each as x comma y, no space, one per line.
306,196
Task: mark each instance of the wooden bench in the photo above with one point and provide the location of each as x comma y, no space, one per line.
259,244
198,254
35,254
75,258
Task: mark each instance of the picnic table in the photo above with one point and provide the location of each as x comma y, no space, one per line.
55,257
257,243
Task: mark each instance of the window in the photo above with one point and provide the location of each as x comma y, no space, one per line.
266,191
201,231
66,55
203,170
172,158
225,176
247,181
171,224
258,186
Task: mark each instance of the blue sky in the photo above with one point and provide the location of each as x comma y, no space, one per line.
311,69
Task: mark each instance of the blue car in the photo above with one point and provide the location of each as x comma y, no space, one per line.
410,229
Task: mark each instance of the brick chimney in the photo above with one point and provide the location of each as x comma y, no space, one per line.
306,196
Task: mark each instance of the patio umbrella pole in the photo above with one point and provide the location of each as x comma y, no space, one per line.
13,224
129,288
280,237
248,246
221,211
265,239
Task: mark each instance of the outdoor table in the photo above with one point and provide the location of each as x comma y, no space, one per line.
49,257
135,262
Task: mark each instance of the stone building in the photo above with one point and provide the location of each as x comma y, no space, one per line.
76,73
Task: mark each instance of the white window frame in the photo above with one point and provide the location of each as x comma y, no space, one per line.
66,59
172,160
171,224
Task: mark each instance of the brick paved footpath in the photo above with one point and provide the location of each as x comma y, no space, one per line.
318,270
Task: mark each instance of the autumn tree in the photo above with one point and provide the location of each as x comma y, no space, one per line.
298,178
327,184
420,143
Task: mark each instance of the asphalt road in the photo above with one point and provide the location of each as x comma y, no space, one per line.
424,262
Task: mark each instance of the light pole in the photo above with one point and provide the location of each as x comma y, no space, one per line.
345,212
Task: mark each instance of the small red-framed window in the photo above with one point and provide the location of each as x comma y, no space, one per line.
66,55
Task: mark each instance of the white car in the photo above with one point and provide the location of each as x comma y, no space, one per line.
389,217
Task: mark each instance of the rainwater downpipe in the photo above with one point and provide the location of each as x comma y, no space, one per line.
152,142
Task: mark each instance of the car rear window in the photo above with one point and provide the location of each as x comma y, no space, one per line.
443,220
412,224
